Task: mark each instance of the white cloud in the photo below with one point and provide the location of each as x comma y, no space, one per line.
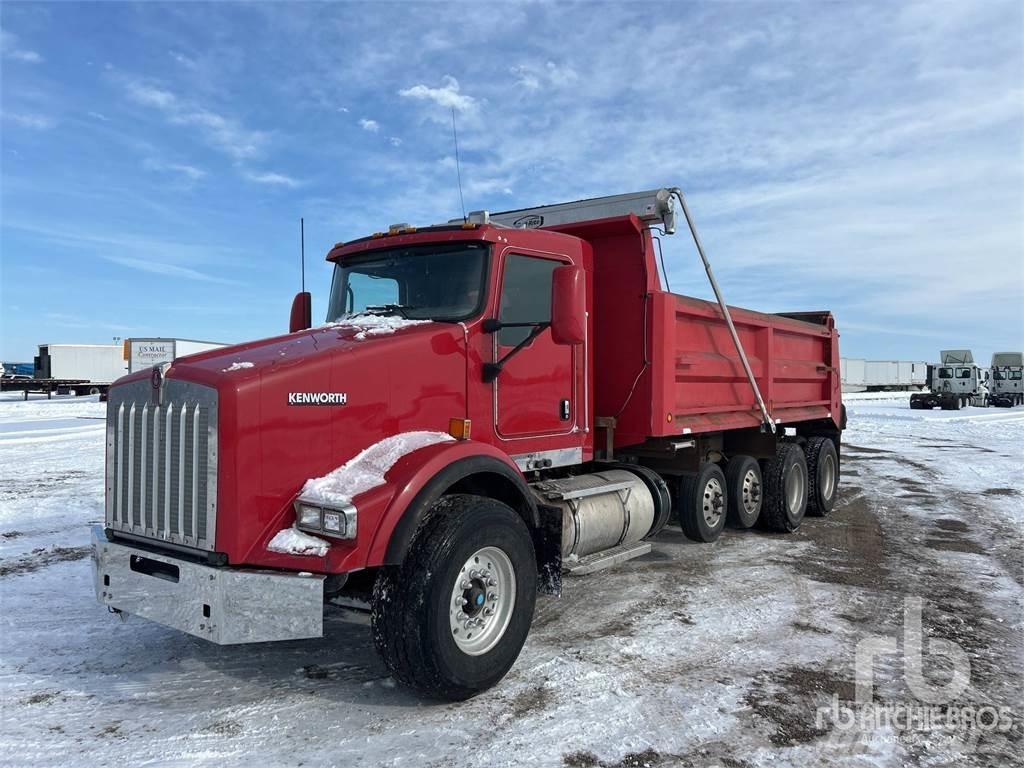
10,49
447,96
395,141
31,121
369,125
273,179
163,268
224,133
183,60
343,109
188,171
534,77
98,116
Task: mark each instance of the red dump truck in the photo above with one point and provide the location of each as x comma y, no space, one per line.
492,403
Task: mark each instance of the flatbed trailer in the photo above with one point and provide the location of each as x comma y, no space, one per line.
50,386
493,402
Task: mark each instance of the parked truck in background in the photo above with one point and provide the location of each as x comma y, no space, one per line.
1006,382
492,402
957,382
145,353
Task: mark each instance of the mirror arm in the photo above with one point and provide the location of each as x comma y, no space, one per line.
491,370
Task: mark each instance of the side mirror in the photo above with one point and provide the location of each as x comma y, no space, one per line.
568,305
302,312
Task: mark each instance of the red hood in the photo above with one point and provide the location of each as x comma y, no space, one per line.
269,445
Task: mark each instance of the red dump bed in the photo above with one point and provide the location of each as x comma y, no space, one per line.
665,364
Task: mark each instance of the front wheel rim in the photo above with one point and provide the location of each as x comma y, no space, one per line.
482,601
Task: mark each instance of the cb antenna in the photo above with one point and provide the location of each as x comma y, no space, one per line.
458,166
302,251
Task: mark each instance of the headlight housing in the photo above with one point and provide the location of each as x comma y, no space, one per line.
336,521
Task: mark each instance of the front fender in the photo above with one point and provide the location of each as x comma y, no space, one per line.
419,479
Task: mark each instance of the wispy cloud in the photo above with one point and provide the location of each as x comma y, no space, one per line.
273,179
189,172
224,133
447,96
98,116
162,268
11,50
369,125
31,121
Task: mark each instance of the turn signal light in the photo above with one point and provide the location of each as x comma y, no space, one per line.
459,428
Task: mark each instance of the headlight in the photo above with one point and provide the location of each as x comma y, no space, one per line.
337,522
334,522
308,516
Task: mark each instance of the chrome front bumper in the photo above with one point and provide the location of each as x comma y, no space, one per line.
223,605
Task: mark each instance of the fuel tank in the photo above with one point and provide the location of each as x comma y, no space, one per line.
600,510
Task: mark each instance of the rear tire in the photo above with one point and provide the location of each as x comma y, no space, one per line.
746,491
429,628
822,475
785,489
703,503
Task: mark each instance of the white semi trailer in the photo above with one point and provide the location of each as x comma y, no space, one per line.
860,375
1007,382
957,382
92,366
145,353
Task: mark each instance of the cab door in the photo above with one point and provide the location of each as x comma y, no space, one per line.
534,393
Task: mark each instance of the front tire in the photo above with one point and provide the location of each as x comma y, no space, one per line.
785,485
451,620
703,503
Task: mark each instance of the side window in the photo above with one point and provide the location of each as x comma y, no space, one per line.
525,295
1015,375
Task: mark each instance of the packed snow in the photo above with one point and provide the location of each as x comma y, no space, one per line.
238,367
291,541
367,469
369,324
694,655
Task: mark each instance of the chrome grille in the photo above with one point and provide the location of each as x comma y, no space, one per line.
162,462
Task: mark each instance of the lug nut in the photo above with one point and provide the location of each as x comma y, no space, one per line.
465,584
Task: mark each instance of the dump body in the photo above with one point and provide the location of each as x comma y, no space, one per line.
675,354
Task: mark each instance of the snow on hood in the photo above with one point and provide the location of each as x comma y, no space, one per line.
237,367
291,541
375,325
368,468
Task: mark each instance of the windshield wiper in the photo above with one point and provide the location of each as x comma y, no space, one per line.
389,309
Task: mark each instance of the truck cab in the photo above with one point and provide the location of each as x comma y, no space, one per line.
1007,382
955,383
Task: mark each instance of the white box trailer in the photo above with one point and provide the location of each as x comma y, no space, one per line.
852,374
97,364
145,353
882,375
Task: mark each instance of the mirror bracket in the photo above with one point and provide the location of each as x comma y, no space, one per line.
491,370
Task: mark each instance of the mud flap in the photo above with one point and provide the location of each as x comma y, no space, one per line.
547,543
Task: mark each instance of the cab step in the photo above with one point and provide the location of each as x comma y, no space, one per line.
605,559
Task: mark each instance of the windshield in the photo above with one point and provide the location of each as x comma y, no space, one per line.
423,282
963,373
1015,375
945,373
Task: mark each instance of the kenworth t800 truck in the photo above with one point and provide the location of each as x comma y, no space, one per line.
493,402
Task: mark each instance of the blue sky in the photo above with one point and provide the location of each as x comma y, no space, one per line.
863,158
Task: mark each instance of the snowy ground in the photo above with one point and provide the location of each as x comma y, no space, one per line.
703,655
